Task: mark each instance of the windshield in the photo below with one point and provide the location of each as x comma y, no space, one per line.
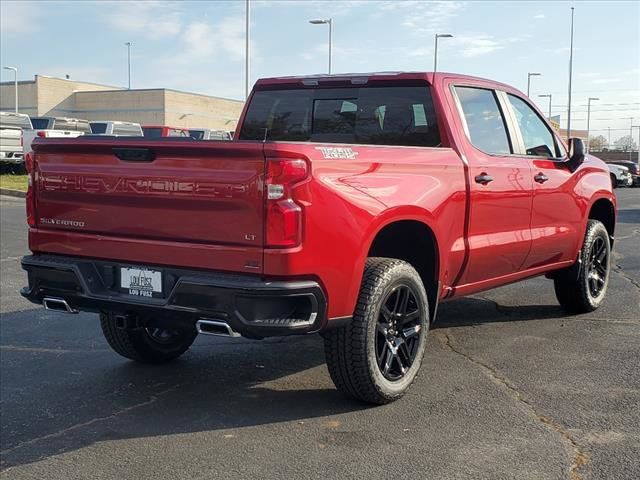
394,115
152,132
97,127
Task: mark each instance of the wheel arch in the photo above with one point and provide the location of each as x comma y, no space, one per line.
413,240
603,209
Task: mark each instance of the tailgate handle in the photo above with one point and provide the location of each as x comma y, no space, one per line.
134,154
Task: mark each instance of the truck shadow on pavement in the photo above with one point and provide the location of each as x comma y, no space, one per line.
63,389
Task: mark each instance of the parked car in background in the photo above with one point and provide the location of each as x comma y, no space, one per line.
116,128
633,169
620,176
12,126
159,131
55,127
207,134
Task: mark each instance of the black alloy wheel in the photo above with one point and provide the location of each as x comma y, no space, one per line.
398,334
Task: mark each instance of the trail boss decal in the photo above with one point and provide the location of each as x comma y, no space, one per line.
337,152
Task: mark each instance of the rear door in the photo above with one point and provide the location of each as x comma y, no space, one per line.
499,236
205,194
556,216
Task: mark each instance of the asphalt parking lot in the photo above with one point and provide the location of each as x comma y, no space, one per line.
510,388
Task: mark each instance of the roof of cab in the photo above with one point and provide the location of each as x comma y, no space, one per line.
362,78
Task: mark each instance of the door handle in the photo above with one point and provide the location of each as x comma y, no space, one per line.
483,178
541,178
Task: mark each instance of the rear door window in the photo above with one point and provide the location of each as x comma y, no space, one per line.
393,115
485,122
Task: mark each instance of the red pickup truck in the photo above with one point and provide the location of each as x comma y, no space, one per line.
348,205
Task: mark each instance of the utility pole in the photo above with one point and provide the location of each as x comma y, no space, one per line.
570,75
15,85
129,45
631,138
246,49
589,118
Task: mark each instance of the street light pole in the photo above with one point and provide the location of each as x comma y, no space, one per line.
548,95
435,52
246,49
570,76
631,138
529,75
589,118
327,21
15,84
129,45
609,138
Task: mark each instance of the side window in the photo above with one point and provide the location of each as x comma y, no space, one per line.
487,130
538,139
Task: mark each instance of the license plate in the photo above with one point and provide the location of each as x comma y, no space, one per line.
141,282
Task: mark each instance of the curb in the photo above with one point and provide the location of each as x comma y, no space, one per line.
12,193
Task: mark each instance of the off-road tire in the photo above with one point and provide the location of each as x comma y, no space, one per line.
351,350
140,346
573,293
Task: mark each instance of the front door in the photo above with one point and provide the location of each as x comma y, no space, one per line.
556,215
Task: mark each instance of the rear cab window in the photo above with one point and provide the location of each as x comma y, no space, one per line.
98,127
152,132
41,123
13,121
373,115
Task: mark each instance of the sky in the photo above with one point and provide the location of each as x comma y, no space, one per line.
200,46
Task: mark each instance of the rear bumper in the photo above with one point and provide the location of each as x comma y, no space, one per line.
250,305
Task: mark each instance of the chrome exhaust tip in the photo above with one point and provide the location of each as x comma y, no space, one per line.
57,305
219,328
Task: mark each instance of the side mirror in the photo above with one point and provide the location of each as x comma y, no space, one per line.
576,153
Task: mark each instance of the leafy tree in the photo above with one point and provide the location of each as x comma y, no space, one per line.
625,143
597,144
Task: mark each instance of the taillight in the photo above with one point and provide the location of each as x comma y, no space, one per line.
30,200
283,214
42,134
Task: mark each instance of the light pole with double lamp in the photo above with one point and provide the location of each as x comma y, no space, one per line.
529,75
547,95
15,84
327,21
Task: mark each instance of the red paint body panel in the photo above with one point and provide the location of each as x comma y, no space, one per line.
201,205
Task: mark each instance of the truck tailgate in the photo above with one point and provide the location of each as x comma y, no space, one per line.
200,194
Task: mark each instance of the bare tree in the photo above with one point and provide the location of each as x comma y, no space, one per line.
625,144
597,144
